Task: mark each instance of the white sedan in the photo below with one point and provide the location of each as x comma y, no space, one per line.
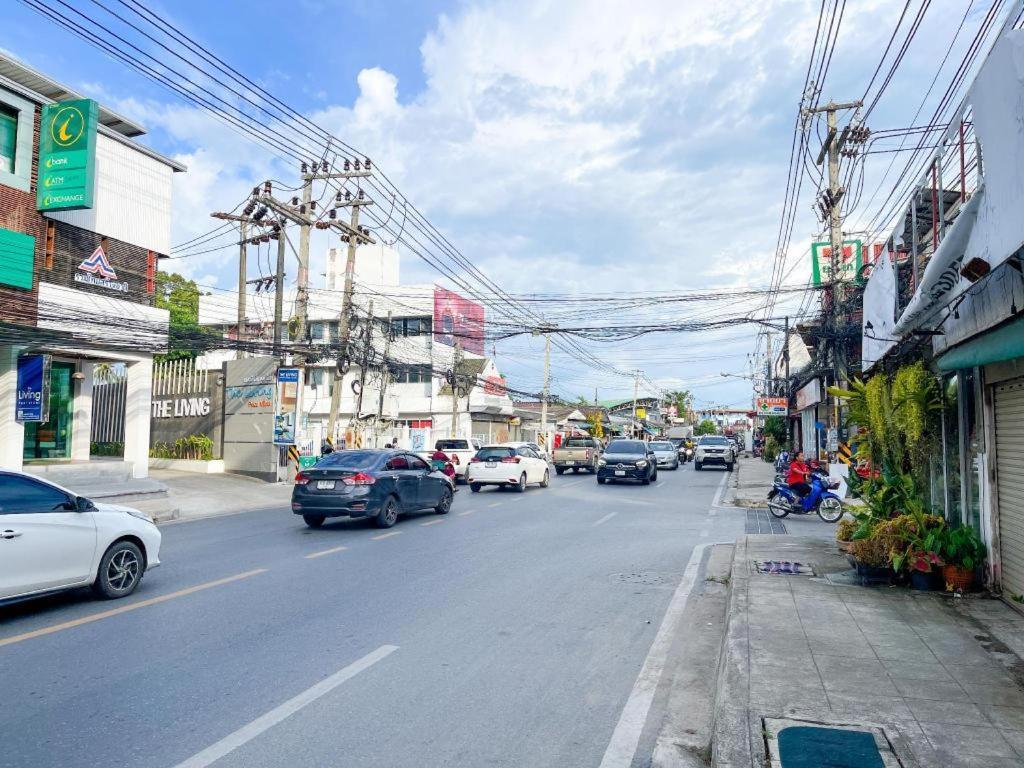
52,540
509,464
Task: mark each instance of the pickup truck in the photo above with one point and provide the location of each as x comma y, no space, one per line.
577,453
459,452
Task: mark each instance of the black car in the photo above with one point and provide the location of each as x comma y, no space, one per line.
627,460
381,484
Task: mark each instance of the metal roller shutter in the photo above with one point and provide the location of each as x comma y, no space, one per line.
1009,407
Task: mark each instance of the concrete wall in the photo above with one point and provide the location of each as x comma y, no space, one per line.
249,417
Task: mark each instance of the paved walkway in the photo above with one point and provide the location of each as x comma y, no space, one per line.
941,686
193,495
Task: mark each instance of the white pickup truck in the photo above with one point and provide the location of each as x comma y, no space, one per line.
458,450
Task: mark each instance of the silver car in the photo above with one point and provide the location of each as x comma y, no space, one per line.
665,453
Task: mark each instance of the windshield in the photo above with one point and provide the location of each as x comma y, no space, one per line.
666,446
579,442
626,446
495,453
714,440
354,460
452,445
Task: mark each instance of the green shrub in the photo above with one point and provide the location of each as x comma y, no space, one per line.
196,447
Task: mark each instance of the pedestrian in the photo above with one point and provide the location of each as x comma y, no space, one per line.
388,445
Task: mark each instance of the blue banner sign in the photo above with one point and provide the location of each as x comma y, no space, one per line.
33,400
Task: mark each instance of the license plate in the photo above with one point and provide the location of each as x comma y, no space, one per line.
491,464
620,472
570,462
325,485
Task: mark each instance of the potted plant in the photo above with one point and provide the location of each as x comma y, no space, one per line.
963,552
872,557
922,573
917,538
844,534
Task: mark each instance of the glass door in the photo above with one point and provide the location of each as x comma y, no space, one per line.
52,439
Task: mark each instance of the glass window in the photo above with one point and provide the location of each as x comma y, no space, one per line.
579,442
948,493
972,447
451,445
425,324
496,453
626,446
397,462
354,460
415,462
8,137
316,331
666,446
19,495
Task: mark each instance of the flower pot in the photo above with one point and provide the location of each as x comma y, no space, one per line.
955,577
845,546
873,574
923,581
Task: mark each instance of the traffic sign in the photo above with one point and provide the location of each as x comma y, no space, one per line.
772,406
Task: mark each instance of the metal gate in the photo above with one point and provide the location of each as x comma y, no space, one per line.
1009,417
107,423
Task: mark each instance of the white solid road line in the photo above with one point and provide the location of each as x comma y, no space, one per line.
261,724
495,504
721,490
467,512
626,736
606,518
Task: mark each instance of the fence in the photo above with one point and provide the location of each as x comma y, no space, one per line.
108,410
179,377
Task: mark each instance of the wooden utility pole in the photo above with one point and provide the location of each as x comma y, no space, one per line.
456,364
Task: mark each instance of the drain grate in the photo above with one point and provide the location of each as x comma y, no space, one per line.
807,744
784,567
759,521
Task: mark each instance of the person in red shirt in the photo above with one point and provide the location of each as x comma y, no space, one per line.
798,474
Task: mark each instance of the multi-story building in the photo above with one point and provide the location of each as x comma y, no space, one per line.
79,242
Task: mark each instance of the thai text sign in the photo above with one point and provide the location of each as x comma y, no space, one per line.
771,406
458,321
67,155
849,264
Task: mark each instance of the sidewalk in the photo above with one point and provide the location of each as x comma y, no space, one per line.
191,495
921,674
750,482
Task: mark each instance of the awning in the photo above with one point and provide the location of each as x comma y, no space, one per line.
649,430
1004,343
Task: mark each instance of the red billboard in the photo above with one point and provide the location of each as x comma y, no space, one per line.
458,320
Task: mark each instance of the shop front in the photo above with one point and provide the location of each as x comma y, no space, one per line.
808,398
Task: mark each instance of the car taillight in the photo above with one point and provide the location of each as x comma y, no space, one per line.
301,478
360,478
510,460
588,454
474,460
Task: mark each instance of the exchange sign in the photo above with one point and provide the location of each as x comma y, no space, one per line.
67,155
772,406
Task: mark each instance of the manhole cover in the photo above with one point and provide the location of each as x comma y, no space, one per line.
785,567
805,744
641,577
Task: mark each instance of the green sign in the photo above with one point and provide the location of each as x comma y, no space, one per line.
67,155
850,262
17,258
305,462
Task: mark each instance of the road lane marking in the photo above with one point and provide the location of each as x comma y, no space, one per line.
626,737
606,518
282,712
495,504
387,535
467,512
432,522
635,501
126,608
323,552
659,484
721,489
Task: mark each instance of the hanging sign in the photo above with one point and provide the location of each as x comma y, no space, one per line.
772,406
850,261
286,406
33,399
67,155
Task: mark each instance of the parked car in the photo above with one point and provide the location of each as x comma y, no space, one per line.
541,451
665,453
627,460
459,452
52,540
513,465
375,483
577,453
714,449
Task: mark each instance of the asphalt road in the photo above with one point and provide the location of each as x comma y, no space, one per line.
507,633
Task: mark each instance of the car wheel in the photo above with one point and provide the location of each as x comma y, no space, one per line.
474,487
697,465
521,485
314,521
120,570
445,505
547,479
388,514
559,470
600,481
593,470
646,480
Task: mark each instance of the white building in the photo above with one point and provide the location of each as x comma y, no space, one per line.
413,404
76,286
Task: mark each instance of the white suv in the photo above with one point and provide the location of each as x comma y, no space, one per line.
714,449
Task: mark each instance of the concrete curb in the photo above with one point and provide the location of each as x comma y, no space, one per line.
732,731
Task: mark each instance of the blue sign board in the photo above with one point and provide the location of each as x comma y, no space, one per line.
288,374
33,400
286,405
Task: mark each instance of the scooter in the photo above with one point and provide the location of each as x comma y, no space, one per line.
783,500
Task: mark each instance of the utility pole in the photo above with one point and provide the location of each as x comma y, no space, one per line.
302,284
367,344
547,391
279,291
785,362
455,385
385,371
636,387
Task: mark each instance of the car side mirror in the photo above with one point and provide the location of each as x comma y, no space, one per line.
83,504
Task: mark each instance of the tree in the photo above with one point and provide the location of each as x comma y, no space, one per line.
180,297
581,400
706,427
775,426
682,399
596,425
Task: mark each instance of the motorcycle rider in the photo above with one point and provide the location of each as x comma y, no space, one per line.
799,473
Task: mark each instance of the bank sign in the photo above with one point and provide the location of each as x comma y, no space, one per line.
67,155
33,399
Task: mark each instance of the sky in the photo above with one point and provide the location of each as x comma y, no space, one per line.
569,146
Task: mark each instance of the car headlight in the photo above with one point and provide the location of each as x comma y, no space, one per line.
602,463
139,515
641,464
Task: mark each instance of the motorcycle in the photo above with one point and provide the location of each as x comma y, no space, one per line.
685,454
783,500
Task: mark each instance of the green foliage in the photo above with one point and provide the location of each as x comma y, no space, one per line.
771,449
915,401
682,399
915,540
180,297
706,427
845,529
962,546
196,447
775,427
596,425
106,449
